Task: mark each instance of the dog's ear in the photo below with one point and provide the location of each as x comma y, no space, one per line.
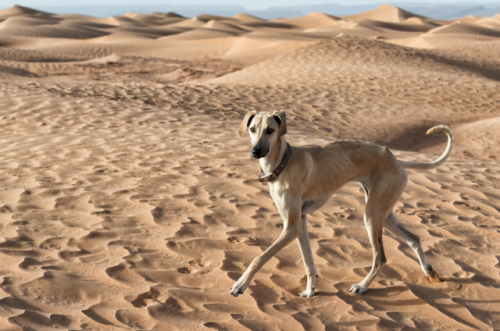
246,122
280,117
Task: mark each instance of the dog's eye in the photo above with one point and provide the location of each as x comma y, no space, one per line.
269,130
252,129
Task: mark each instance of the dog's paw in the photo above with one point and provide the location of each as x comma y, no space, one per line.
239,287
307,294
431,274
434,277
358,289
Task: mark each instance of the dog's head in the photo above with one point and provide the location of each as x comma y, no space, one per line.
265,129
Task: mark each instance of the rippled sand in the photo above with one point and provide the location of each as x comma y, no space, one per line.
128,202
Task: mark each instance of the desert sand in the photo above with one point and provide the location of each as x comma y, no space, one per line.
128,202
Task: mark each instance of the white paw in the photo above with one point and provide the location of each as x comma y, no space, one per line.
239,287
307,294
358,289
428,270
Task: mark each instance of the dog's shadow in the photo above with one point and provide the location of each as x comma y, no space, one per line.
325,294
372,293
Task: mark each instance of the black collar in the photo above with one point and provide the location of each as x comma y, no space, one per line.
284,162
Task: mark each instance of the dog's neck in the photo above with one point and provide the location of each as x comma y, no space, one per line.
270,162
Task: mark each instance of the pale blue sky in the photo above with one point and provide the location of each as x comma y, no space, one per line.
248,4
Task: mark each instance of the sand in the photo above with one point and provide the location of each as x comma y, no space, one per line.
128,202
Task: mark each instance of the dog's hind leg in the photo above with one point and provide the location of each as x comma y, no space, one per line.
373,223
392,224
307,258
381,195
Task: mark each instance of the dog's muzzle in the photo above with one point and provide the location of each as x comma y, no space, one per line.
258,153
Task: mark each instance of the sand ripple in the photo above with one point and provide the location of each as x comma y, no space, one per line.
128,202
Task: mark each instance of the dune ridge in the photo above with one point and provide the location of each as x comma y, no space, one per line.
128,203
387,23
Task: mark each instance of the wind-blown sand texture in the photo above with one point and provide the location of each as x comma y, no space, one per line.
127,202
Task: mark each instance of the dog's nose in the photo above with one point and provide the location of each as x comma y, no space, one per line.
256,152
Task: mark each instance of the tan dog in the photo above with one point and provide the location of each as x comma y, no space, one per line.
311,177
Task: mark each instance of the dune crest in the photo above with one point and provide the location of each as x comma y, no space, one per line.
465,28
312,20
386,13
247,17
17,10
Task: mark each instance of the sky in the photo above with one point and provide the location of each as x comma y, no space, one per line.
248,4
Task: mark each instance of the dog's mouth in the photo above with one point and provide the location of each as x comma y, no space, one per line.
256,156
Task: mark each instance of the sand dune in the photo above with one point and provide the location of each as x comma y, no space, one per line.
326,61
190,23
420,21
20,10
123,21
22,22
154,19
405,26
168,15
464,28
312,20
254,48
54,32
222,26
281,35
489,22
386,13
247,17
158,32
128,203
460,35
86,23
201,33
468,19
206,18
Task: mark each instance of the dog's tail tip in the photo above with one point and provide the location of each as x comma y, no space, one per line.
441,159
440,127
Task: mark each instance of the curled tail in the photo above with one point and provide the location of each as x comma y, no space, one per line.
441,159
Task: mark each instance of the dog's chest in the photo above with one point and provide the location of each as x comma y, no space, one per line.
307,205
310,206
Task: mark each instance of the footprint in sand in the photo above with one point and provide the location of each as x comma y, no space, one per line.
244,240
343,215
464,274
194,266
466,204
29,263
198,263
424,215
187,270
144,299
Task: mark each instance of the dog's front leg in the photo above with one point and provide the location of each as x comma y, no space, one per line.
292,229
307,257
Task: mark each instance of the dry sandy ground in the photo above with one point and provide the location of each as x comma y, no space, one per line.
128,203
